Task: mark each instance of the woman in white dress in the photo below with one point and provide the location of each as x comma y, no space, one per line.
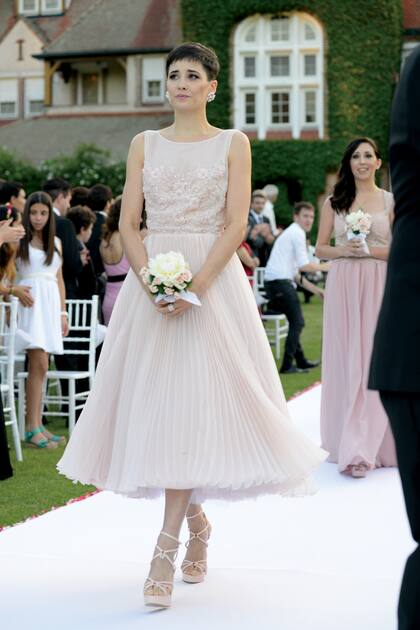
45,322
187,399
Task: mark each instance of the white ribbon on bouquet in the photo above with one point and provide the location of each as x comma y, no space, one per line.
188,296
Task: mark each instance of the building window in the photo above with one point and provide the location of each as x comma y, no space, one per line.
250,109
280,29
310,66
42,7
29,7
279,73
36,107
280,66
280,108
249,67
153,79
310,107
7,109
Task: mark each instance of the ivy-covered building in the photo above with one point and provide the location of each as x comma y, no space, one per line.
301,78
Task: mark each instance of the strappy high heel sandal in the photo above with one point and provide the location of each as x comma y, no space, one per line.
164,587
199,566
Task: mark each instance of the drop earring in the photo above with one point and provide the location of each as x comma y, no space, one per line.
167,95
211,96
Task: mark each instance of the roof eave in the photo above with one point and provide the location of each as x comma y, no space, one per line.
101,53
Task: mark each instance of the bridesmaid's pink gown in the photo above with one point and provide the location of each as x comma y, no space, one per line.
354,426
113,288
193,401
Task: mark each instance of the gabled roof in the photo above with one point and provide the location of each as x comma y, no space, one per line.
109,27
62,135
48,28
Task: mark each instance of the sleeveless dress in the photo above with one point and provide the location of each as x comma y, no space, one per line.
192,402
354,425
41,322
113,287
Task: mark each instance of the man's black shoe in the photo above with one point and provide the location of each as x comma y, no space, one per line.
294,370
309,364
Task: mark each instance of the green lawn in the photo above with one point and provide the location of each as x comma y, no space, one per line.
36,485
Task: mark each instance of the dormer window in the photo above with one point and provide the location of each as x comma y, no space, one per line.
42,7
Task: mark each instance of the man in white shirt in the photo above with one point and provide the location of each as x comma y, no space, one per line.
272,193
288,258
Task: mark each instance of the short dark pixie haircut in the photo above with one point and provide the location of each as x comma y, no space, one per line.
193,51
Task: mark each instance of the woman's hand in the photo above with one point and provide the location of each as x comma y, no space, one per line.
353,249
23,294
64,325
10,234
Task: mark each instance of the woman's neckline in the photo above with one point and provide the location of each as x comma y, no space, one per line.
192,141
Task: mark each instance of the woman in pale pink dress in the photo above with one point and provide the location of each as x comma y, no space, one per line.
187,399
115,262
354,426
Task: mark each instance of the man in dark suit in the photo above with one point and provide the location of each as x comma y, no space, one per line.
259,236
395,369
73,259
99,200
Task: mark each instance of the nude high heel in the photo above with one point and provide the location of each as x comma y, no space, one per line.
196,565
165,587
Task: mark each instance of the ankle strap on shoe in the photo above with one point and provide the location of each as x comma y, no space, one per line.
198,514
197,535
163,554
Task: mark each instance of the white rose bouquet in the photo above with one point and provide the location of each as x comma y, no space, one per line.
358,226
168,276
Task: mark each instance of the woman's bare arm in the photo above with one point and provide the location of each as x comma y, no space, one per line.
131,207
237,209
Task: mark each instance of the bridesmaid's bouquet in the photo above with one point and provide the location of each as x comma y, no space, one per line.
168,276
358,225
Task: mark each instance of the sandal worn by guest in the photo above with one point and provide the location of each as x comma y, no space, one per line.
194,571
44,443
59,439
164,588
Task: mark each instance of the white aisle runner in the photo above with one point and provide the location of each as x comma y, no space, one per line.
328,562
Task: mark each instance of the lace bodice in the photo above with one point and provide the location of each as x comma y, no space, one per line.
185,183
380,231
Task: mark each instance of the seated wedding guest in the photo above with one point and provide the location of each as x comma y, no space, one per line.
99,200
115,263
271,192
247,258
289,257
13,193
259,235
79,196
83,220
11,231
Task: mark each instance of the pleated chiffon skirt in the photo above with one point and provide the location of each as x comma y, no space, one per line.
354,425
191,402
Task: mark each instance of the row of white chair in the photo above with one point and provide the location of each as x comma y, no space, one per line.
83,322
279,325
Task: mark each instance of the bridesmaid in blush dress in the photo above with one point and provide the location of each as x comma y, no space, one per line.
187,400
354,426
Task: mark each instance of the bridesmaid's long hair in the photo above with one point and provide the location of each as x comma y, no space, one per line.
345,189
48,232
